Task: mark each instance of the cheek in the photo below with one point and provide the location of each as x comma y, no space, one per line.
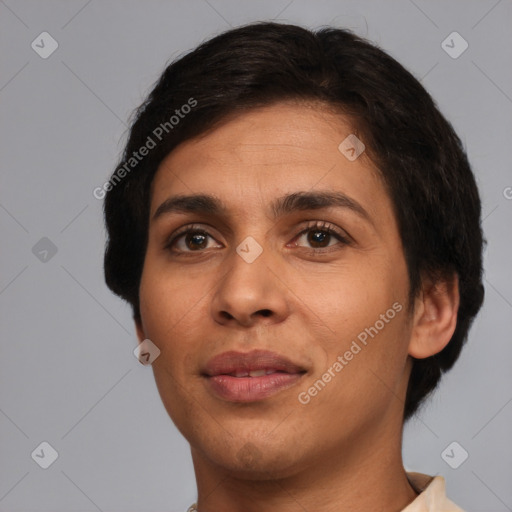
168,321
165,311
350,296
360,378
363,304
168,299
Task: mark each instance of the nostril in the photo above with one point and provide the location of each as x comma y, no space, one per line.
265,312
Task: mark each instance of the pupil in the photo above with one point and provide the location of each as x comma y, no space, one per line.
198,241
317,237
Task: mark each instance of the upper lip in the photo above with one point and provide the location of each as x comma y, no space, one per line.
233,362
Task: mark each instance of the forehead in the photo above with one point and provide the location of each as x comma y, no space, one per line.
282,133
270,151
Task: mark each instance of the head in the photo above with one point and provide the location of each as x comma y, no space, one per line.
249,117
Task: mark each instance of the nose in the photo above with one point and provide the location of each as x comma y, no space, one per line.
250,293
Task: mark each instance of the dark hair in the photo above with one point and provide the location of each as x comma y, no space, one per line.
421,159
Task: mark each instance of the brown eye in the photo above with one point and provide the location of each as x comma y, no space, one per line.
190,239
196,240
320,236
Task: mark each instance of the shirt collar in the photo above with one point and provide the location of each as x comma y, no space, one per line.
432,497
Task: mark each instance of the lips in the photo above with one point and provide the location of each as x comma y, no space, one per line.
254,364
245,377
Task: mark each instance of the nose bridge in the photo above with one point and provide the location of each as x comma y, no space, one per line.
253,244
249,267
250,287
250,250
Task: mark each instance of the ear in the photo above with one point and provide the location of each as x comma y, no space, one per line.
435,317
140,330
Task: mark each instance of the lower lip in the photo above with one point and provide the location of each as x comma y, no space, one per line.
251,389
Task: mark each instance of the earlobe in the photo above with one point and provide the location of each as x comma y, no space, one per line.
435,317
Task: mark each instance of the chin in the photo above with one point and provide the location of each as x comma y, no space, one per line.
253,460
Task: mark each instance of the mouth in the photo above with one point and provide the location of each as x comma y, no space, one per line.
249,377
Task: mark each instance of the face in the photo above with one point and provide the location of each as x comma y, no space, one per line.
308,294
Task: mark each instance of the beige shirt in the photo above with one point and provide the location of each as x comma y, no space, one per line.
432,497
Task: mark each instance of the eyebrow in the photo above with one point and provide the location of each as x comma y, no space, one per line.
298,201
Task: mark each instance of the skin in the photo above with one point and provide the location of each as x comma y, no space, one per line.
342,450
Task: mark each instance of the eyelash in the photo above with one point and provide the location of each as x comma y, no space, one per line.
312,226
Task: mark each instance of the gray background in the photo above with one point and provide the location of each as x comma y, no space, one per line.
68,374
